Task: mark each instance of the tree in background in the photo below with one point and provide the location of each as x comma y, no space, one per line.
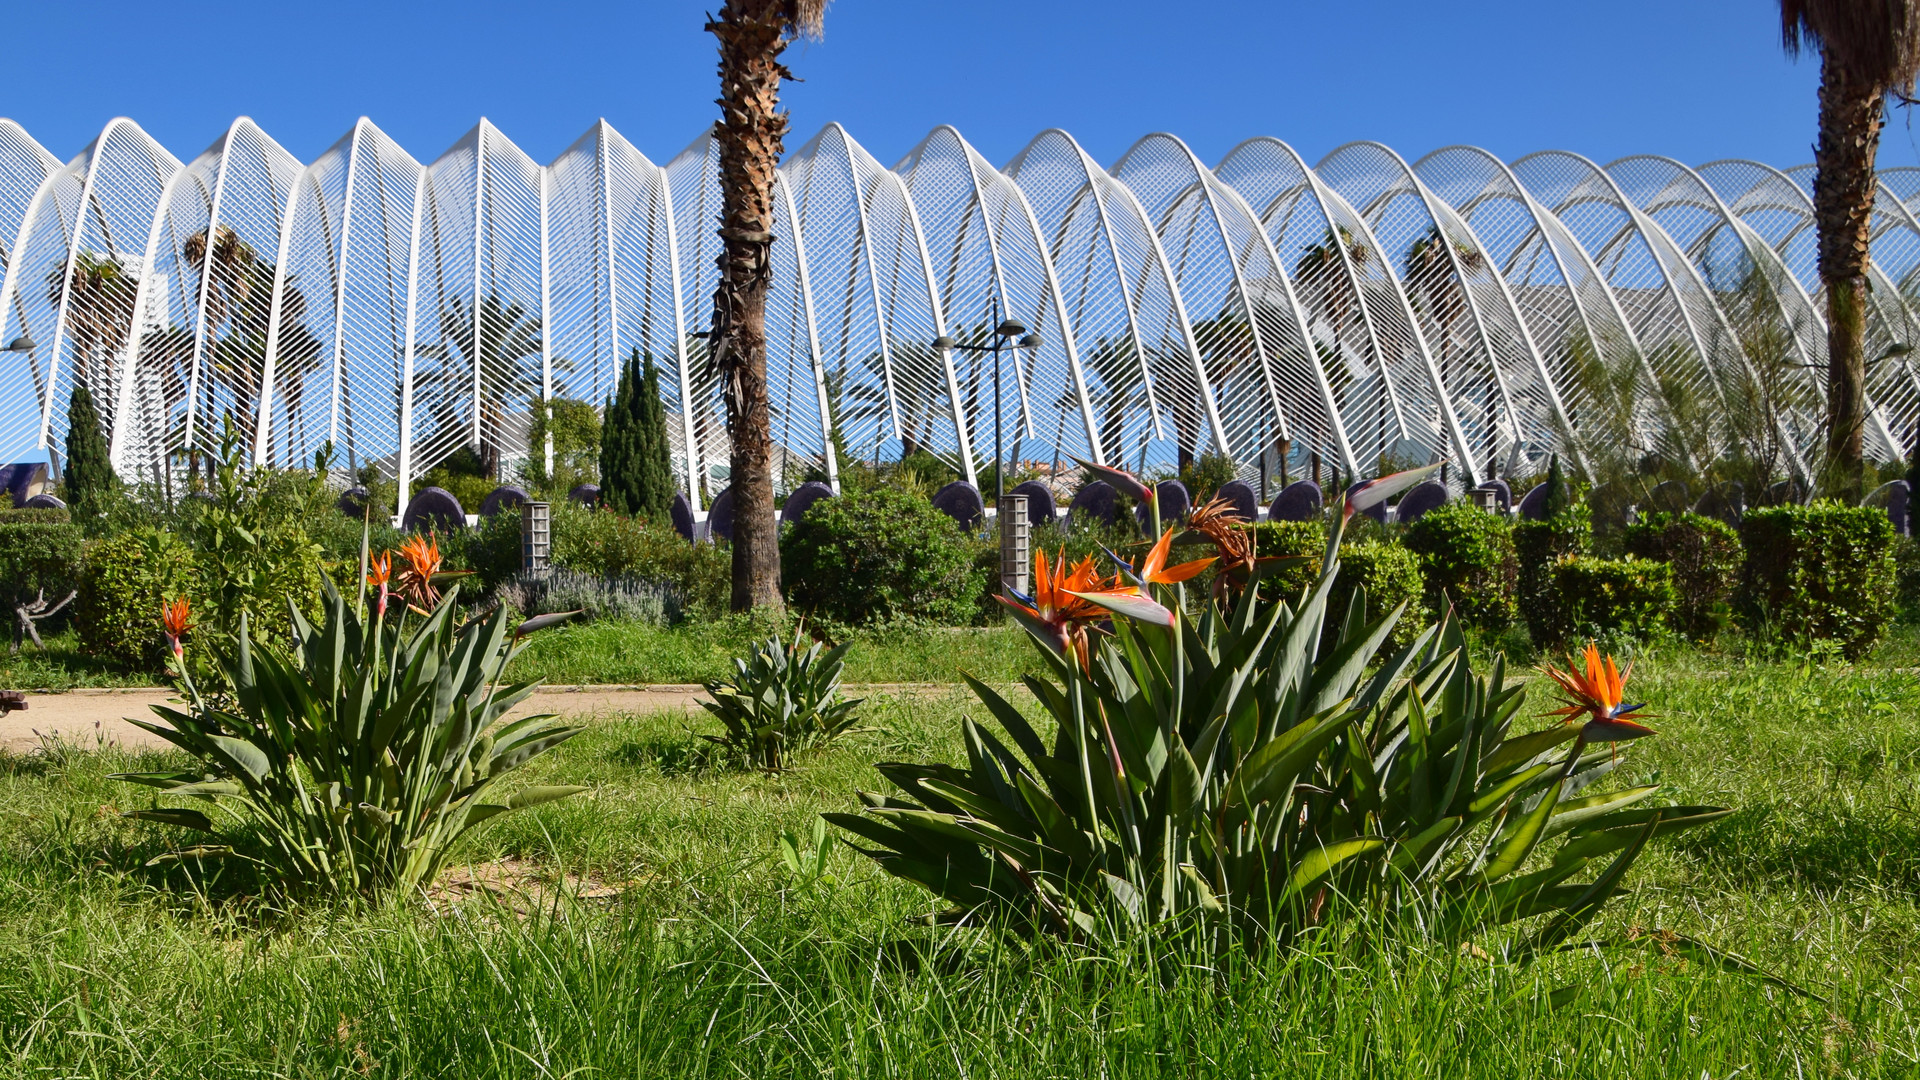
575,429
90,480
654,469
750,134
1868,49
620,441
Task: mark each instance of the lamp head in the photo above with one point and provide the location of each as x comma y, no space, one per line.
1012,328
23,343
943,342
1031,341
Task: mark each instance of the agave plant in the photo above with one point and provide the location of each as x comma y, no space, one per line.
1243,770
782,701
360,759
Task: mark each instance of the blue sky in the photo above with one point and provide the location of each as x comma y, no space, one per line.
1692,79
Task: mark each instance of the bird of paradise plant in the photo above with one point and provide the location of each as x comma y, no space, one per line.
174,623
1598,695
1239,772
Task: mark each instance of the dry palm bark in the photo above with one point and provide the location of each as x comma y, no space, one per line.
1868,49
752,35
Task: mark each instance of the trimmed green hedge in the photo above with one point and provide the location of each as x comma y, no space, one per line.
34,515
879,556
1823,572
1468,558
1537,546
1705,556
123,581
1588,597
38,558
1281,539
1391,576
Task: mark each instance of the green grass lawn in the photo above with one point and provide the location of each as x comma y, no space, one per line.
701,955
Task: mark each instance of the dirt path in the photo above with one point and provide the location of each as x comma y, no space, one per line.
90,717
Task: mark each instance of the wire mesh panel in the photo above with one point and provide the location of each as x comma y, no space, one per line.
582,354
29,178
693,180
1246,320
1640,268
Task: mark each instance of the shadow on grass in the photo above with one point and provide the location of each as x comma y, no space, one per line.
1821,847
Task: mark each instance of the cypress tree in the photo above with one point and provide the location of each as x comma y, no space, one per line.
1559,499
655,465
90,480
618,452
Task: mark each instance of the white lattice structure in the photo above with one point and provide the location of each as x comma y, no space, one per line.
1362,307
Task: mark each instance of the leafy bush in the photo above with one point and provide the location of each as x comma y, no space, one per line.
1387,575
1705,556
601,543
1906,562
1823,572
597,598
879,556
461,473
492,549
39,565
782,701
1537,546
34,515
1250,779
1204,475
252,555
360,760
1468,558
123,581
1588,597
575,429
1284,539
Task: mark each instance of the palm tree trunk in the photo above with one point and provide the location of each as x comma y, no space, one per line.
1843,187
752,36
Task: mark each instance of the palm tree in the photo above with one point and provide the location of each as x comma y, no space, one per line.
99,309
752,34
1868,49
509,357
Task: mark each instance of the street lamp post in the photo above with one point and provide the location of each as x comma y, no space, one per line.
1013,526
1010,333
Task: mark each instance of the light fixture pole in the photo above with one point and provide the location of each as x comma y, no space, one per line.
1013,334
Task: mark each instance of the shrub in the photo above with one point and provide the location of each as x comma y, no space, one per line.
1169,801
575,429
91,485
879,556
123,581
356,763
604,544
1468,558
39,563
1390,574
1204,475
782,701
1283,539
1537,546
597,598
1823,572
34,515
492,549
1705,556
1588,597
1906,562
252,557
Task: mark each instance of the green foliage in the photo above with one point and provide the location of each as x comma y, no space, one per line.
1592,598
1906,562
34,515
575,429
782,701
252,555
355,764
1538,545
1823,572
604,544
1468,557
1386,575
636,461
1705,556
1240,779
38,559
1204,475
492,549
123,581
879,556
461,474
1283,539
91,484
